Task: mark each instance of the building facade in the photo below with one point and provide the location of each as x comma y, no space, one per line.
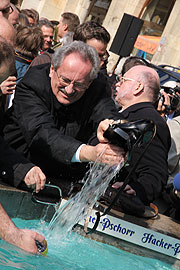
160,22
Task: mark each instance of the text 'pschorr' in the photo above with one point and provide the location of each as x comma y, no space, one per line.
106,224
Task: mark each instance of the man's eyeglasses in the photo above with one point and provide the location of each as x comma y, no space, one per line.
122,79
76,85
7,10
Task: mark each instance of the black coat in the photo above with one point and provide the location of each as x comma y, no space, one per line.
48,132
151,174
13,166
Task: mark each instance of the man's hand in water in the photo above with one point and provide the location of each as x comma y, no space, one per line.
103,153
25,239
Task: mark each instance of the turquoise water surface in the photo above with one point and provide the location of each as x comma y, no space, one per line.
74,252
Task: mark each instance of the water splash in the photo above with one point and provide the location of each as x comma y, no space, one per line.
96,182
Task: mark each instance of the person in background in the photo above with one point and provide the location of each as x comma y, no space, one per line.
47,29
136,92
67,23
15,169
168,104
68,38
171,198
7,31
36,16
23,20
95,35
7,86
29,41
17,172
33,16
176,184
174,152
14,16
5,8
46,53
56,111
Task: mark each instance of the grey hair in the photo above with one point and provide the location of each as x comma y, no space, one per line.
85,51
68,38
45,22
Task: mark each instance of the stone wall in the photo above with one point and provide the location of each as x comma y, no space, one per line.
168,51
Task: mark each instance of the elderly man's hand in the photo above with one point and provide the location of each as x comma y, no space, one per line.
8,86
103,126
103,153
35,179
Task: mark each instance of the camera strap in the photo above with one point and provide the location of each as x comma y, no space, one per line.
126,181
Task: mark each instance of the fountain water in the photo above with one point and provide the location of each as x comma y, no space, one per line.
126,135
96,181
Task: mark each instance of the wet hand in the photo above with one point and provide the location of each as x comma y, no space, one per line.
109,154
103,153
26,240
35,179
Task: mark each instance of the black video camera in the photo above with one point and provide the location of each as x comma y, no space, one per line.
174,98
128,134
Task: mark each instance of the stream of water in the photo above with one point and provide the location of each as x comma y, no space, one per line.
96,182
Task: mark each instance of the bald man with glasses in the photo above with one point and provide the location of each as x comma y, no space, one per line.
136,92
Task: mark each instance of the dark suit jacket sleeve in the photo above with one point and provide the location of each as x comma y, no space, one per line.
13,166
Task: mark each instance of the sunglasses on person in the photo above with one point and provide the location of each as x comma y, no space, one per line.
7,10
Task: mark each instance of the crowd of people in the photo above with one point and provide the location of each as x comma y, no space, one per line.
56,103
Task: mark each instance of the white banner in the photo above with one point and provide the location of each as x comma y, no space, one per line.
136,234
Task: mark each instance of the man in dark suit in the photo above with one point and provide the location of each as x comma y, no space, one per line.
15,169
136,92
57,109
